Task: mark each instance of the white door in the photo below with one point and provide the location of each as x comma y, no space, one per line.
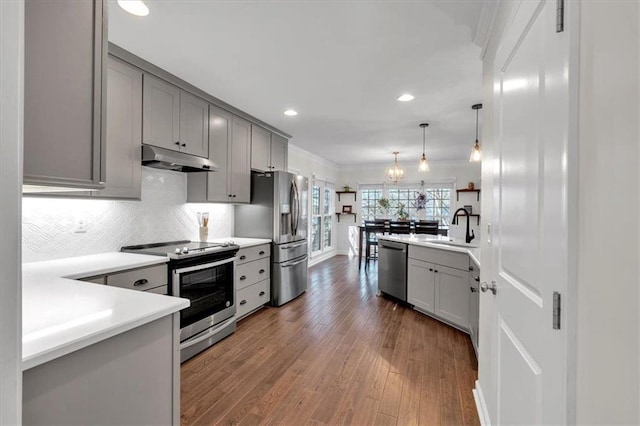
531,89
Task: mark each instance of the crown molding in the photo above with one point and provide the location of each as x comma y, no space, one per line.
486,23
313,156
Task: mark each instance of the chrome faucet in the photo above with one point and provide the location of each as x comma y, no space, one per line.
468,237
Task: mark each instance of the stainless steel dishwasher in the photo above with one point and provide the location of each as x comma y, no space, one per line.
392,269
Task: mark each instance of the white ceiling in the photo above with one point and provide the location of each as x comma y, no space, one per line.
340,64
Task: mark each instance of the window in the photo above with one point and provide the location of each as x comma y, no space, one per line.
438,201
322,212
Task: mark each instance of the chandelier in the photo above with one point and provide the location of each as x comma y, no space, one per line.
395,173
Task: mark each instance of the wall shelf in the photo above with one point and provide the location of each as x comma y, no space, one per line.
355,194
458,191
355,216
470,216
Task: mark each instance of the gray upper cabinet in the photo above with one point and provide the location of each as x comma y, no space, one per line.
268,150
194,123
65,54
174,119
279,152
161,114
240,170
229,147
260,148
124,131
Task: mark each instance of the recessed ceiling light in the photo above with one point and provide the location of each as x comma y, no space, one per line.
405,98
290,113
134,7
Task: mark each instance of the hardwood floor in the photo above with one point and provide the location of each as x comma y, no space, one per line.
336,355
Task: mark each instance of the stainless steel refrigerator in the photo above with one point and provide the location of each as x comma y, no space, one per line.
278,211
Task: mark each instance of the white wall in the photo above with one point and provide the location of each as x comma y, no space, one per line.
607,342
162,215
11,119
309,165
458,172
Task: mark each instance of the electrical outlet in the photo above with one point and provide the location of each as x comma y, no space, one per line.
81,226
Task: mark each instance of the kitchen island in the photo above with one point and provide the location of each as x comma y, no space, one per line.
98,354
442,278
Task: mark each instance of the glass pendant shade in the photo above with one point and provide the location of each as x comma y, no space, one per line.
424,161
395,173
476,152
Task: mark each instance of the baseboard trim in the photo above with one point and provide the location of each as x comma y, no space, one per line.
321,258
481,405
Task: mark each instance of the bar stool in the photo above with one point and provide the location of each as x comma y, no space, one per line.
372,228
400,227
426,227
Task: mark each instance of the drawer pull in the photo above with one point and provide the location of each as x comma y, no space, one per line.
476,279
243,302
261,293
430,269
243,257
242,278
261,271
143,281
435,270
261,252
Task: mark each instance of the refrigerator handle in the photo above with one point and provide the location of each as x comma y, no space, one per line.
296,200
292,207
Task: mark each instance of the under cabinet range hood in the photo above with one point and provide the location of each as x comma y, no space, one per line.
166,159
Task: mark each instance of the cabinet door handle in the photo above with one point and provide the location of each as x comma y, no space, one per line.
234,195
435,270
243,257
261,271
261,293
242,278
473,289
184,144
430,269
471,268
243,302
230,195
143,281
476,279
178,143
261,252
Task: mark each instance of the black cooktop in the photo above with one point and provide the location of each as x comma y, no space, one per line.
180,249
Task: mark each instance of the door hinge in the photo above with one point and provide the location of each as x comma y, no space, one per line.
559,16
557,302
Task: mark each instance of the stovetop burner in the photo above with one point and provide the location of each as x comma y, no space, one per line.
180,249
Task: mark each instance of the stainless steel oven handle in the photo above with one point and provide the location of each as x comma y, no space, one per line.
290,246
288,265
204,266
207,335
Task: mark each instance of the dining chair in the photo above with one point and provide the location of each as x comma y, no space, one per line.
426,227
400,227
373,228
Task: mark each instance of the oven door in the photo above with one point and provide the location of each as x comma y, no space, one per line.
211,289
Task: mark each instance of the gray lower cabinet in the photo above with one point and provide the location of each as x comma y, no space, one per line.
153,279
253,279
124,132
438,284
174,119
269,151
229,147
132,378
65,55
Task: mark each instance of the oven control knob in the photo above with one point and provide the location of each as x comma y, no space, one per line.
178,251
185,250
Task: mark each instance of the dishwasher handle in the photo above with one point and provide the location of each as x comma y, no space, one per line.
392,246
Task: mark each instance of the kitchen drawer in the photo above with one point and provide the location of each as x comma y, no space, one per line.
250,273
252,297
100,279
140,279
441,257
249,254
159,290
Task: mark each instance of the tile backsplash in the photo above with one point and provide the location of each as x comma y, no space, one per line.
48,224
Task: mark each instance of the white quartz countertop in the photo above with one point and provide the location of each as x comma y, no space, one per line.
61,315
436,241
242,242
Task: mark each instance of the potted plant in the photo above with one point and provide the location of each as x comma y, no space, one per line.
403,214
346,188
384,205
420,203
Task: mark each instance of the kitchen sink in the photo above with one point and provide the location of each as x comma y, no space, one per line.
454,243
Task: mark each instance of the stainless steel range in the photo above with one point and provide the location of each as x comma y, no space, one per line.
204,273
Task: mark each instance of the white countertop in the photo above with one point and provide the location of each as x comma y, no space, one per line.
431,241
242,242
61,315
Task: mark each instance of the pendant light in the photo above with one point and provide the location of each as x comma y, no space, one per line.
476,152
424,161
395,173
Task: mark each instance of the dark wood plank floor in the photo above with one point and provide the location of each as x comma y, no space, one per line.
336,355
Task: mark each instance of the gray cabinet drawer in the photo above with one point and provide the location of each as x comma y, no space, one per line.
441,257
140,279
251,272
252,297
249,254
